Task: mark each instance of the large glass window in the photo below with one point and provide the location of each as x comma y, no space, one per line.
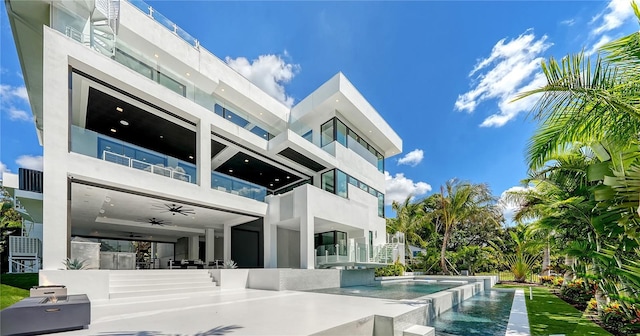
328,183
336,181
325,243
370,244
341,182
172,84
336,130
341,133
326,132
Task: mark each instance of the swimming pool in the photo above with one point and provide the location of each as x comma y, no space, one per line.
393,291
485,314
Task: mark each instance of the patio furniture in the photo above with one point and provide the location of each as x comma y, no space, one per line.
39,315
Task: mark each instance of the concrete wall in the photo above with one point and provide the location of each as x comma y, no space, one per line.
94,283
305,279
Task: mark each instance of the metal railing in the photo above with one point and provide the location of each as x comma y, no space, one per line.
30,180
237,186
358,251
158,169
24,254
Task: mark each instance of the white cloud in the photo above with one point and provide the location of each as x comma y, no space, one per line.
412,158
398,188
568,22
614,16
30,162
17,114
509,208
509,109
602,41
3,168
268,72
11,98
512,66
8,92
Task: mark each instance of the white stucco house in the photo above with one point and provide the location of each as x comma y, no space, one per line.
149,137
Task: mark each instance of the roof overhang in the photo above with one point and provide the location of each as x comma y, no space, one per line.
339,97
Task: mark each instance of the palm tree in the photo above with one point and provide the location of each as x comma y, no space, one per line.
410,219
460,202
588,102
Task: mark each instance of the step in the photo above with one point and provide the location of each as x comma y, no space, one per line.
159,271
162,292
152,276
149,286
163,280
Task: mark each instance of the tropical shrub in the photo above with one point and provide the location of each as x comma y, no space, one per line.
230,264
558,281
578,292
617,320
395,269
592,305
74,264
547,280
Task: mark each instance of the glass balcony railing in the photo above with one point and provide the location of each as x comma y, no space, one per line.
90,143
237,186
151,65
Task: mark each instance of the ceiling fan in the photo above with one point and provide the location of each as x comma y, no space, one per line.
174,209
154,221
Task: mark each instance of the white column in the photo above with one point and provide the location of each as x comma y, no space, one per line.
203,145
56,198
194,247
227,242
270,246
209,237
307,255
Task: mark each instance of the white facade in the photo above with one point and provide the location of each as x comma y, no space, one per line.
149,137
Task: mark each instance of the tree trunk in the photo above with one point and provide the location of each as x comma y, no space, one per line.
546,260
568,274
443,258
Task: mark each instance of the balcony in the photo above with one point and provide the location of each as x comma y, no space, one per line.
92,35
93,144
359,253
238,187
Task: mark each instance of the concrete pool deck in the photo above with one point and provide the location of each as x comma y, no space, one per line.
247,311
244,312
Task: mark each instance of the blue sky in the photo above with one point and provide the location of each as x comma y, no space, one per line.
440,73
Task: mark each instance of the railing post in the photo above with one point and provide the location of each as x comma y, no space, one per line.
326,256
337,253
150,11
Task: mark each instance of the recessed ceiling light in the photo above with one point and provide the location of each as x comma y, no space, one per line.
369,131
277,180
288,177
260,173
222,90
271,184
113,130
111,204
231,170
229,116
246,160
188,74
124,123
101,211
260,113
337,100
119,109
162,137
156,55
191,156
107,199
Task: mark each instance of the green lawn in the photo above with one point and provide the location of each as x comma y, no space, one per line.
15,287
550,315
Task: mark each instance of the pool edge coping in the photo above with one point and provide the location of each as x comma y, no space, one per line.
518,319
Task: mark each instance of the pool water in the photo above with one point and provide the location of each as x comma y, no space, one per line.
392,291
485,314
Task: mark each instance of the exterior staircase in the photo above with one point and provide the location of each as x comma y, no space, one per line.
145,283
